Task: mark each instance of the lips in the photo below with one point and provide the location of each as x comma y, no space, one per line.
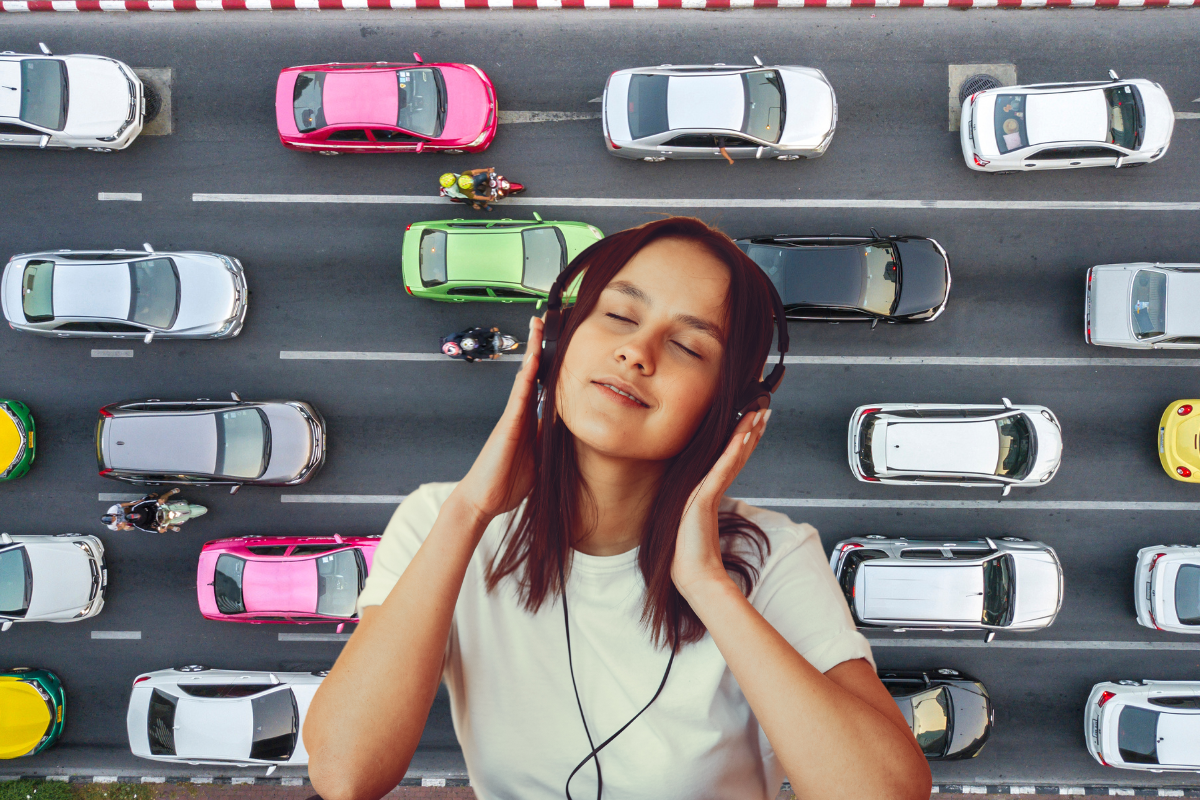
622,390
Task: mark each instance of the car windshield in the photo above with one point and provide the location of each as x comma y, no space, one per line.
1010,122
881,279
16,582
307,101
243,443
1137,735
647,105
1187,594
764,104
1124,129
276,723
37,291
338,583
161,724
1016,447
544,258
1148,304
227,584
421,109
44,92
998,591
154,301
931,720
433,258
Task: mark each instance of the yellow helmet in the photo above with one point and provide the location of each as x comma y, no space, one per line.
447,180
466,182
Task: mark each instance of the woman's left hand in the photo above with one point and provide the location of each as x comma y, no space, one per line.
698,546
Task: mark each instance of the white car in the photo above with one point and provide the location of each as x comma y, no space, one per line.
1006,584
1147,725
1166,588
69,102
124,294
656,113
50,578
1117,123
931,444
1143,306
197,715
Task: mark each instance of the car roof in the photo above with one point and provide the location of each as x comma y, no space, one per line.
213,728
91,290
164,442
1066,116
827,274
485,254
898,590
25,719
10,75
1179,739
954,446
361,97
705,102
280,584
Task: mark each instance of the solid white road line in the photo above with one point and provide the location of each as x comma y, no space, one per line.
358,355
116,634
1034,645
510,117
390,499
997,503
313,637
1178,115
135,197
97,353
677,202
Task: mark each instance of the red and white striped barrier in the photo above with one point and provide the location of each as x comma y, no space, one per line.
358,5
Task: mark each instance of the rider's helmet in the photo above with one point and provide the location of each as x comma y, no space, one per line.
107,519
447,180
469,343
451,349
466,182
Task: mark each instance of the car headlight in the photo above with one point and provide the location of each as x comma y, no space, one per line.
85,547
228,262
1047,476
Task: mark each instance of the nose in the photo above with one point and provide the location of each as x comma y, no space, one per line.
637,352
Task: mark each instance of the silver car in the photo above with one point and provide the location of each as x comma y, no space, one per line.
206,442
69,102
1115,123
125,294
1007,584
656,113
57,578
934,444
1143,306
1166,588
1148,725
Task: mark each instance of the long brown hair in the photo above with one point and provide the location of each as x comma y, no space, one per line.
538,543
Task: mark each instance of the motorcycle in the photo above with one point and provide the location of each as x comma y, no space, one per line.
475,344
490,186
152,514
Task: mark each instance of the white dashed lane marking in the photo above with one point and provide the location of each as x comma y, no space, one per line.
98,353
116,634
390,499
313,637
133,197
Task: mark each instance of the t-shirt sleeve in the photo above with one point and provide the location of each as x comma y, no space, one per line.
403,536
798,595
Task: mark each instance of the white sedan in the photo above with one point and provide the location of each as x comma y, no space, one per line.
1146,725
718,111
1143,306
1117,123
913,444
50,578
197,715
1166,588
69,102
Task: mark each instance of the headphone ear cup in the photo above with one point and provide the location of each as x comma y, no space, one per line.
556,320
758,400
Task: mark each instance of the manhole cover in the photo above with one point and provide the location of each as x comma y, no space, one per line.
153,102
976,83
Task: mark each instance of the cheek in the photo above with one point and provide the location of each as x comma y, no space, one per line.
686,401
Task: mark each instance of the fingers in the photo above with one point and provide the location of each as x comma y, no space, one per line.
526,380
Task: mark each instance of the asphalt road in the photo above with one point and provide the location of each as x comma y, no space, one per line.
326,277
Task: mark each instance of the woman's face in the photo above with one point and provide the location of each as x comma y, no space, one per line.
641,371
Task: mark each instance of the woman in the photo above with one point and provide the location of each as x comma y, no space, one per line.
619,492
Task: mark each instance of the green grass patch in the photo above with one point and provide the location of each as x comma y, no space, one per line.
36,790
111,791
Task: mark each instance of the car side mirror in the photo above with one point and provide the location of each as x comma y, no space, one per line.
337,537
234,489
420,147
1007,489
1007,403
874,322
44,49
5,538
537,216
236,396
146,246
149,337
272,768
341,627
990,635
418,58
45,140
5,625
1120,161
758,61
1112,73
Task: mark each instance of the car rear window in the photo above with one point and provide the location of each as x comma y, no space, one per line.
161,724
545,257
931,720
1187,594
433,258
224,691
647,105
1016,447
850,567
44,92
998,591
307,101
1137,735
227,584
1148,304
16,582
1010,122
276,723
154,299
422,107
764,104
37,291
243,443
339,580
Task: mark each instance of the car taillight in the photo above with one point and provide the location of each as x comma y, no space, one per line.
979,162
142,678
871,479
408,227
104,412
1104,698
410,294
1154,561
973,96
1184,410
104,472
850,546
869,411
1183,472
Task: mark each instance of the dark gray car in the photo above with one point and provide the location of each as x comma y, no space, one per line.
950,713
268,443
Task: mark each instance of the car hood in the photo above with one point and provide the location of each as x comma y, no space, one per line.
1160,117
955,447
143,443
62,579
291,443
1038,594
935,594
10,288
1110,305
99,98
809,107
922,276
280,586
25,720
469,104
1048,440
211,729
207,292
972,720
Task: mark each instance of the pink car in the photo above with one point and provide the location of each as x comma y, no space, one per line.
299,579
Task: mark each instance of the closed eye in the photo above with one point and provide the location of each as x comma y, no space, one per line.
619,318
691,353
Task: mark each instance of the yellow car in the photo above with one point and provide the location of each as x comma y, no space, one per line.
31,711
1179,440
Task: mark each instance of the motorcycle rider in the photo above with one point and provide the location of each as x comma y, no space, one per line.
473,344
473,186
159,515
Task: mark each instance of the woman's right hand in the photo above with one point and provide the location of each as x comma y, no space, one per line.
502,474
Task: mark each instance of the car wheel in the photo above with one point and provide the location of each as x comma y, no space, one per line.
153,102
321,673
454,151
787,158
948,672
1130,683
1013,539
976,83
102,150
654,159
328,153
193,668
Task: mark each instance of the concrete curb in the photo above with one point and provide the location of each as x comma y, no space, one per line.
711,5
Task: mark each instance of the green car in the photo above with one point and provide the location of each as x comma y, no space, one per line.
16,439
500,261
31,711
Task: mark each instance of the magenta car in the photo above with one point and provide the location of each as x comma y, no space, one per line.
298,579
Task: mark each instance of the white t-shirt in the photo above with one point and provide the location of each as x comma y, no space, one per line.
510,689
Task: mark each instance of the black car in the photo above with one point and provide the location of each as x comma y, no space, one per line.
855,278
950,713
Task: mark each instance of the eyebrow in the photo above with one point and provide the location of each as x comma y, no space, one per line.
696,323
